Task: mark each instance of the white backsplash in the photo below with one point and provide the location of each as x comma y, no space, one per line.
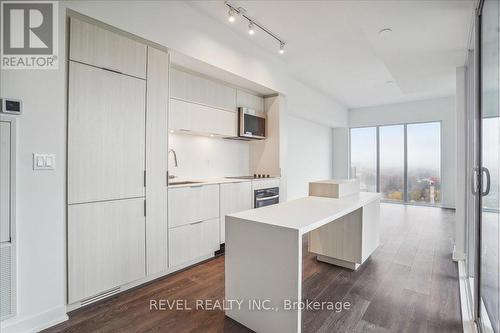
207,157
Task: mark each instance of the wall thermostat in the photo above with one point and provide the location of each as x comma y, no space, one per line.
11,106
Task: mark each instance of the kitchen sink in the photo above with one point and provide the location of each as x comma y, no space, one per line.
184,183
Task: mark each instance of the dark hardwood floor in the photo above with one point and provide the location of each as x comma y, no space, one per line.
410,284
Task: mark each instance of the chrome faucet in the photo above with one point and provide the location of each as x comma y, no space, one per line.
175,161
175,157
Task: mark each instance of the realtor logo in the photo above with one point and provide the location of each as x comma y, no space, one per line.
29,35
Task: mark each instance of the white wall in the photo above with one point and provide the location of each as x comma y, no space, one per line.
41,196
340,152
309,156
201,157
440,109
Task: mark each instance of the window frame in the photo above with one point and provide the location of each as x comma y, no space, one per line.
405,126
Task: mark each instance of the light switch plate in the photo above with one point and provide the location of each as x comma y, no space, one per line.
44,161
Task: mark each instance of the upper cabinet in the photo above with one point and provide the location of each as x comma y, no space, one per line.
196,89
244,99
93,45
200,119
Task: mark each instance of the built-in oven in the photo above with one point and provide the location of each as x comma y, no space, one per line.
252,123
266,196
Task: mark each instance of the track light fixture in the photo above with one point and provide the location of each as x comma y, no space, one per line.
252,23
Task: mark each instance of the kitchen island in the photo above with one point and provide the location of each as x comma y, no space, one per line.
264,253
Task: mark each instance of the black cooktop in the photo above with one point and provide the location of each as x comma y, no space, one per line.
256,176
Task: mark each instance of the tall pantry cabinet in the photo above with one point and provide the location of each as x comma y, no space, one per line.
117,161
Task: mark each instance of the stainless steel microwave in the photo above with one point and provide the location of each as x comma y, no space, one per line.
252,123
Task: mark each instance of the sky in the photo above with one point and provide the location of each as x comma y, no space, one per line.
423,140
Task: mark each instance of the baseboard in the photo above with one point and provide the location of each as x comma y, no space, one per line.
337,262
35,323
466,301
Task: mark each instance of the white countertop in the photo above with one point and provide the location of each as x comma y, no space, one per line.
307,213
335,181
214,181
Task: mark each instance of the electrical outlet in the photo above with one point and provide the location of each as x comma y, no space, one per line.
44,161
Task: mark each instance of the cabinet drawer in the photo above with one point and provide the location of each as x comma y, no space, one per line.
100,47
192,204
190,242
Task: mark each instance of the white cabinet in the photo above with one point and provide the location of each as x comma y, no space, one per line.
192,241
234,197
106,135
103,48
105,246
197,89
156,161
193,218
244,99
196,118
192,204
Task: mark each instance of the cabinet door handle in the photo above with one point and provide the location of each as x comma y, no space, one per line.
195,223
111,70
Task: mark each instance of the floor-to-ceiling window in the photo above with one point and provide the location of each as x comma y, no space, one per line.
403,161
424,162
392,162
364,157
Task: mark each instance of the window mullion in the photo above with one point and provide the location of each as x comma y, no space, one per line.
378,159
405,178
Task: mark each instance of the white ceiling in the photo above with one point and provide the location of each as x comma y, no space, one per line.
335,46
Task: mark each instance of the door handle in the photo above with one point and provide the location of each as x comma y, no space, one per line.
474,181
488,181
267,198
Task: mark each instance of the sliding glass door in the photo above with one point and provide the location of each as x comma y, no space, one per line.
403,162
488,172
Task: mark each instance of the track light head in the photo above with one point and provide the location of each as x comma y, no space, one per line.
282,48
231,15
251,29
